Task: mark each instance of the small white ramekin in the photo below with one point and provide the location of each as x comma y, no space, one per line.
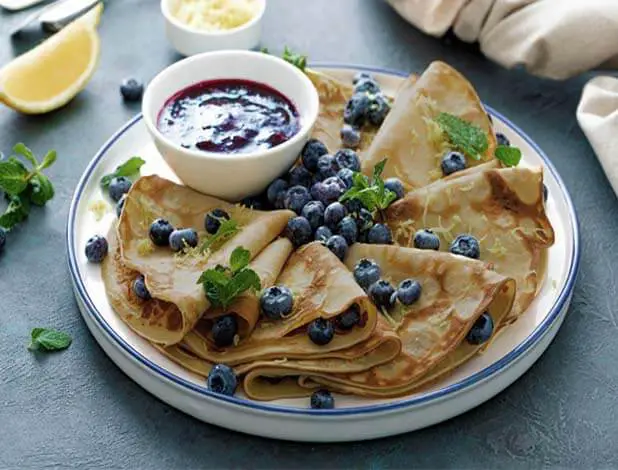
231,177
189,41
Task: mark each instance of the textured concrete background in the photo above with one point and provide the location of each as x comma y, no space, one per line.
76,409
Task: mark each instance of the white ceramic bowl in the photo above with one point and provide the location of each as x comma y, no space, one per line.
231,177
189,40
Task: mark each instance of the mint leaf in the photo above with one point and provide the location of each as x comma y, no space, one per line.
463,135
227,229
16,212
25,152
373,195
214,276
297,60
44,339
239,259
129,169
13,176
42,189
379,169
242,281
48,160
510,156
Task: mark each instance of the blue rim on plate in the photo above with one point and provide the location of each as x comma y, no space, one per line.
460,386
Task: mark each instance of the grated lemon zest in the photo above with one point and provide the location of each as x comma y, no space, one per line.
466,187
145,247
99,208
498,248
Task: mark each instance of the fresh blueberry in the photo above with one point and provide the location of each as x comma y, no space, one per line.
346,175
361,76
353,206
181,238
276,192
328,191
366,273
258,203
314,213
347,158
298,231
348,319
322,234
322,400
409,291
212,222
395,185
348,229
452,162
118,187
482,330
545,193
364,220
160,231
327,166
131,89
96,249
378,109
338,246
381,293
276,302
466,245
333,214
425,239
224,329
139,288
321,331
120,205
300,176
367,85
2,238
295,198
502,139
356,109
350,137
312,150
379,234
222,379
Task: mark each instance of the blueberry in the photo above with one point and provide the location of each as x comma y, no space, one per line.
300,176
502,139
378,109
366,273
350,137
347,158
160,231
120,205
276,192
322,400
395,185
348,319
131,89
312,150
322,234
321,331
2,238
409,291
381,293
181,238
328,191
96,249
222,379
118,187
545,193
425,239
356,109
379,234
276,302
348,229
139,288
212,222
452,162
298,231
327,166
466,245
338,245
295,198
482,330
361,76
364,220
334,214
314,213
367,85
258,203
346,175
224,329
354,206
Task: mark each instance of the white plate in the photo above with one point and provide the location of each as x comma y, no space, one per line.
508,357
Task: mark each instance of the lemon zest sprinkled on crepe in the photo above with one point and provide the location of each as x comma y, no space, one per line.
99,208
466,187
498,249
145,247
405,230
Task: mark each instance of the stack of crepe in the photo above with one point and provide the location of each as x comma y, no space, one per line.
389,353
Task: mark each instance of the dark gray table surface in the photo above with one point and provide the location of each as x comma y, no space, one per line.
77,409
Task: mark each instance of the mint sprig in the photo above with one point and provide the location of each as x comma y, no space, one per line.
463,135
129,169
223,284
227,229
510,156
46,339
372,194
297,60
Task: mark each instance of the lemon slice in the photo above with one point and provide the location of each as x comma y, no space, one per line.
50,75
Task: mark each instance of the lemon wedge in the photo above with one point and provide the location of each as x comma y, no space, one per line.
50,75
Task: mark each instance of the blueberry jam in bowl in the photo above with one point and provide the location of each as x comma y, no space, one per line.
229,122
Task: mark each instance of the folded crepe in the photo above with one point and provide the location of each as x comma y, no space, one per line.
502,208
411,140
172,277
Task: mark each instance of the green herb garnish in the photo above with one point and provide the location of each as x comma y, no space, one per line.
129,169
463,135
288,55
510,156
45,339
371,193
223,284
23,185
227,229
